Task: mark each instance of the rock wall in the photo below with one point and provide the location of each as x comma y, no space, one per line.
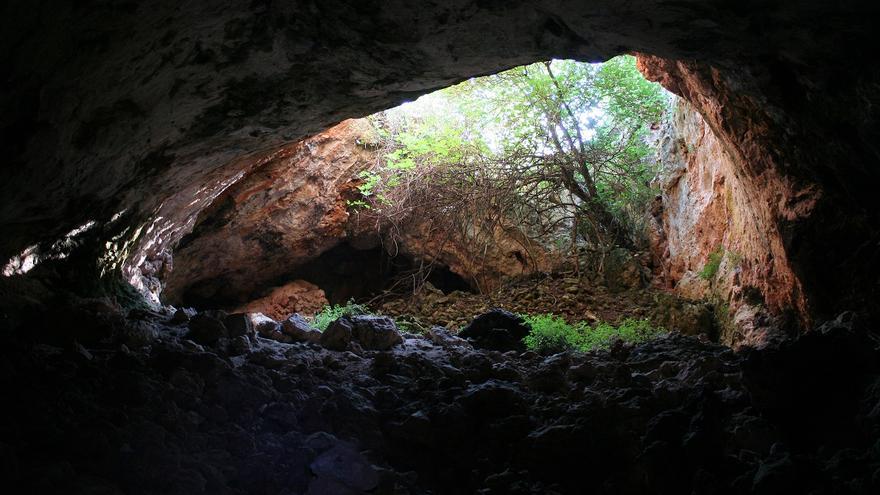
144,112
290,210
712,237
282,214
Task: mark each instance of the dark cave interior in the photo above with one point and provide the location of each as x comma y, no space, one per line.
142,118
345,273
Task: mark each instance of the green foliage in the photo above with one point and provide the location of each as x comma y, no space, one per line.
630,330
411,324
563,138
710,269
331,313
550,333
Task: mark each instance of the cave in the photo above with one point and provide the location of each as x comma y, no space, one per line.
137,136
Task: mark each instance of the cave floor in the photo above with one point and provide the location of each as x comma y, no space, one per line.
435,415
567,294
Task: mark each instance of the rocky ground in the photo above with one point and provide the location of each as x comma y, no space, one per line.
145,409
576,298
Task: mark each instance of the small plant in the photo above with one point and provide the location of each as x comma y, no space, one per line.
630,330
331,313
410,324
550,333
710,269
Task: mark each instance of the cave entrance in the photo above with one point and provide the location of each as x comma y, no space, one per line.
541,168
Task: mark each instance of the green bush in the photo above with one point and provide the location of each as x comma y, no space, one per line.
331,313
550,333
630,330
710,269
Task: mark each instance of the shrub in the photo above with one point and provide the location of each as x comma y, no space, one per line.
550,333
630,330
710,269
331,313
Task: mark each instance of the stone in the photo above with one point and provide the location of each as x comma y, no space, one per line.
344,465
492,398
238,324
375,333
443,337
280,302
207,328
498,330
337,336
300,330
239,345
263,325
182,315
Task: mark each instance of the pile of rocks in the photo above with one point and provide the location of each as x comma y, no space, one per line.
365,409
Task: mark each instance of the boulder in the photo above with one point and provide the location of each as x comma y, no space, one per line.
300,330
263,325
207,327
441,336
238,324
182,316
337,337
498,330
343,468
375,333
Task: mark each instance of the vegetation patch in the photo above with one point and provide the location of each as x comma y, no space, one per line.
333,312
710,269
550,333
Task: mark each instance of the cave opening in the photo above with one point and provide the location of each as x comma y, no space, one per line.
130,126
545,169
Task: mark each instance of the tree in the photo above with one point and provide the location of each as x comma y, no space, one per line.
557,145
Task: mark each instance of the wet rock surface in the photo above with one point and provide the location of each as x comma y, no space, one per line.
435,415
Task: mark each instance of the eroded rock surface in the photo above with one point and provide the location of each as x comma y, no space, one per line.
282,216
137,117
709,240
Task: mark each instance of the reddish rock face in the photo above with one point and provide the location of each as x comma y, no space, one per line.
709,212
298,296
286,212
292,209
781,164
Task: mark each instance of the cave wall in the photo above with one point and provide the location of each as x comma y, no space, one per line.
153,109
285,214
712,237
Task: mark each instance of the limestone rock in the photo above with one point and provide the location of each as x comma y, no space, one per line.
300,330
298,296
338,335
376,333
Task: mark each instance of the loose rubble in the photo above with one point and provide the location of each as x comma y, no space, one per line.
433,414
